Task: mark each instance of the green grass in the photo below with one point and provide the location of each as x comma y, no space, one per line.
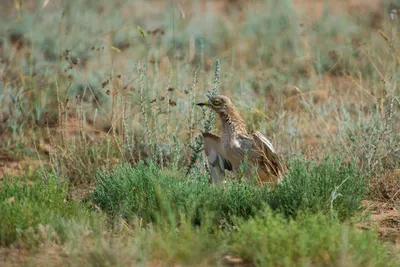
271,240
159,216
331,186
268,239
29,208
131,98
145,192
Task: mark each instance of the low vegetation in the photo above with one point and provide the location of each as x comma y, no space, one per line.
308,187
101,160
36,210
171,219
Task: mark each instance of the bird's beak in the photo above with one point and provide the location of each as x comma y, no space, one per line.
203,104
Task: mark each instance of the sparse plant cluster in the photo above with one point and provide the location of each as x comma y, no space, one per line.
162,214
328,187
99,98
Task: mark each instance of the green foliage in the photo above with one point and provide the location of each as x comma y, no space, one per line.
186,244
268,239
271,240
105,111
34,208
330,187
146,192
140,244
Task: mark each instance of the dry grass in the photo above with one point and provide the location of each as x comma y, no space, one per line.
318,77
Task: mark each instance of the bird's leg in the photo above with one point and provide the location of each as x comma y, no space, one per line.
231,175
215,174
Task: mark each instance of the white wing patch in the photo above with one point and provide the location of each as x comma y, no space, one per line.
217,163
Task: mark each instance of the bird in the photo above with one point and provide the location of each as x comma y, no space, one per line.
236,143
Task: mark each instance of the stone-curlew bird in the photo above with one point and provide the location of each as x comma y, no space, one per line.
229,150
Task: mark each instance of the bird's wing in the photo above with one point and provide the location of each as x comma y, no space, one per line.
218,163
261,151
262,146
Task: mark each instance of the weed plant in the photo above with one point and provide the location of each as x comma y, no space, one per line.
145,191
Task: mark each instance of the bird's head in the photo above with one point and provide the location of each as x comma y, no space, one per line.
218,103
224,107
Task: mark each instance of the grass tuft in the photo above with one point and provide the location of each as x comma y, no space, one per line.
146,192
271,240
30,212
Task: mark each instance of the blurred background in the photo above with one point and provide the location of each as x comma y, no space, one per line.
315,76
89,85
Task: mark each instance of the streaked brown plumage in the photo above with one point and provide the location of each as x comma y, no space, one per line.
229,151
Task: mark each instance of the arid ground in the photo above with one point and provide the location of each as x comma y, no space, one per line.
101,160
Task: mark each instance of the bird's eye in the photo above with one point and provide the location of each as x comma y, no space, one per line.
216,102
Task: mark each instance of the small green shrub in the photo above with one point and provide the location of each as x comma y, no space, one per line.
146,192
34,210
268,239
186,244
328,187
271,240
